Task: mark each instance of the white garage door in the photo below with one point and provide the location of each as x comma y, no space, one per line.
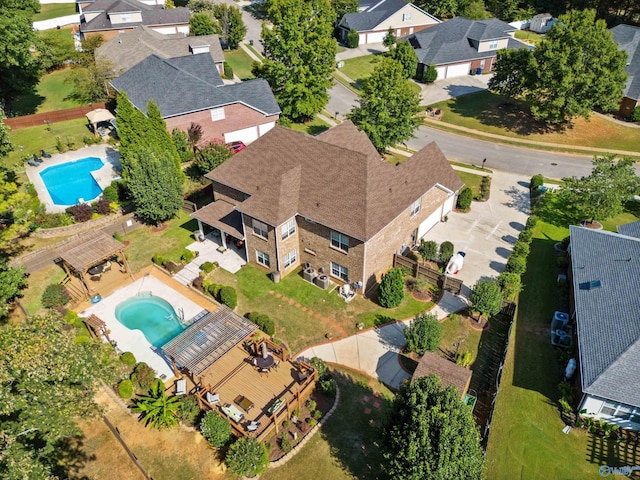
431,221
458,70
448,205
376,37
246,135
442,73
362,39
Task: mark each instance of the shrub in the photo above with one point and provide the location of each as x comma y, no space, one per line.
54,295
187,256
465,197
510,284
446,252
103,206
188,410
215,429
430,74
535,182
486,297
520,249
328,386
635,116
207,267
247,457
463,358
81,212
263,322
125,389
423,334
128,359
312,422
353,39
197,283
428,249
212,288
286,424
229,297
228,71
61,147
52,220
320,367
311,405
516,264
532,221
485,187
118,237
285,443
317,414
526,235
158,259
391,291
143,375
110,192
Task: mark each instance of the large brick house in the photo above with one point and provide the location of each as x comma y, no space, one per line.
461,46
110,17
329,201
628,39
189,90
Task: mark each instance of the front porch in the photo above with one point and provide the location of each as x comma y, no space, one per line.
211,249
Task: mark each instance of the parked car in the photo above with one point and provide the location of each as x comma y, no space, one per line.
237,146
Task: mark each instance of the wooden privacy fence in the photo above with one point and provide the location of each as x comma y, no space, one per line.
434,277
36,119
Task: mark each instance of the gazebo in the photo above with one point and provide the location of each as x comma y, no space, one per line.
97,116
88,250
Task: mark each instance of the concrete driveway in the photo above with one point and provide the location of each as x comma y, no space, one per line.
441,90
488,231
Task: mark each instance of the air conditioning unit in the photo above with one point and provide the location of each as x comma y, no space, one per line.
309,274
322,281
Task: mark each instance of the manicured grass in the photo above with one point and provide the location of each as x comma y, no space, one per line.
529,37
631,214
314,127
456,331
500,115
38,281
33,139
469,165
326,313
471,180
50,94
170,242
347,445
359,68
395,158
54,10
240,62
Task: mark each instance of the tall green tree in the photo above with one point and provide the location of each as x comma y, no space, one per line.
342,7
486,297
423,334
300,55
132,128
12,281
6,146
404,54
155,188
389,39
156,408
431,434
604,192
388,111
577,68
19,65
203,23
90,83
159,135
47,381
16,212
230,19
439,8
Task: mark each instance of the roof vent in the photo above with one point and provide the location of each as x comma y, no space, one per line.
592,285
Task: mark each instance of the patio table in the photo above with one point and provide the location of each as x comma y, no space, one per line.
244,403
262,362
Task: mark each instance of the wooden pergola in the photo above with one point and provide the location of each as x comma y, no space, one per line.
91,249
96,327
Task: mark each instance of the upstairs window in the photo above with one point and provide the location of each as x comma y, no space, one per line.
406,17
217,114
415,208
339,241
259,228
493,44
289,229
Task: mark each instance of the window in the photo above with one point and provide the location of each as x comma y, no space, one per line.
493,44
259,228
481,63
621,411
263,259
340,271
289,229
406,17
415,208
339,241
217,114
290,258
609,408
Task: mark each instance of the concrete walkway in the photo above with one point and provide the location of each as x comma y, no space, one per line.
375,351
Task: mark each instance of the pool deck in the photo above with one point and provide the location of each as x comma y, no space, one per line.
134,340
104,176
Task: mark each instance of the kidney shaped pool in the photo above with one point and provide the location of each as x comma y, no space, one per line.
153,316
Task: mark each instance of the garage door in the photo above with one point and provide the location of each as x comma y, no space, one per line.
246,135
448,205
431,221
458,70
442,73
376,37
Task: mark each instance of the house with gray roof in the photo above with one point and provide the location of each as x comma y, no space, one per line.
130,47
189,90
628,39
461,46
110,17
374,18
605,270
328,202
630,229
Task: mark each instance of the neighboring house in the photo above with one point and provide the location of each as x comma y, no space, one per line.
542,23
329,201
605,269
110,17
375,18
189,90
131,47
449,373
628,39
461,46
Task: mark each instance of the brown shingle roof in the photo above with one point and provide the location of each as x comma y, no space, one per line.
336,179
448,372
221,215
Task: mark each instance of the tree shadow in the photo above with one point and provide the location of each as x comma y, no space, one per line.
551,210
317,129
70,457
26,104
518,199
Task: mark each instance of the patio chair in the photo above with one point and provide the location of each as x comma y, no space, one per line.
212,398
253,426
276,364
181,386
45,154
32,162
36,158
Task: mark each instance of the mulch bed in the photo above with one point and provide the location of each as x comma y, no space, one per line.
421,296
483,325
158,229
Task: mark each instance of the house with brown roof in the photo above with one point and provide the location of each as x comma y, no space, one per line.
110,17
328,201
449,373
132,46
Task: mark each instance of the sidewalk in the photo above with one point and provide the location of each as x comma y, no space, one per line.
249,52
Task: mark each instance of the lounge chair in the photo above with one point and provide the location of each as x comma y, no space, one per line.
181,386
45,154
32,162
36,158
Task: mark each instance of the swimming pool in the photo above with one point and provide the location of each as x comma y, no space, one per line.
153,316
69,182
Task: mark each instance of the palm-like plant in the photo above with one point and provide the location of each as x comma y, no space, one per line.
156,409
194,135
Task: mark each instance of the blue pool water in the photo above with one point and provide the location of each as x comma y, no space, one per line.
71,181
153,316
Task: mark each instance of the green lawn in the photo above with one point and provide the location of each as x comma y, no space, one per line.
50,95
38,281
313,127
33,139
491,113
456,331
471,180
240,62
54,10
346,446
529,37
359,68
